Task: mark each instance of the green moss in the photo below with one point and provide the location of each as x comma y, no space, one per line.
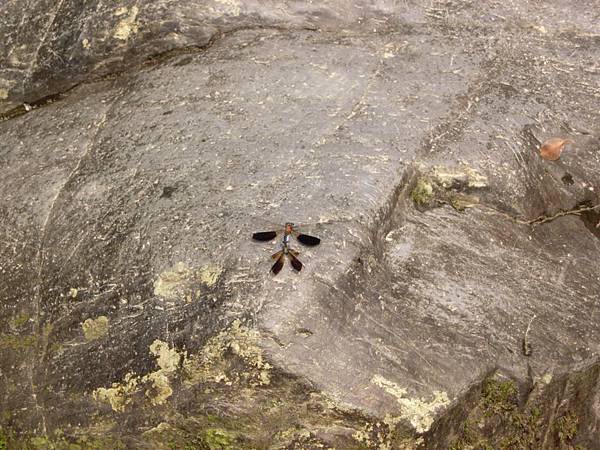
218,439
422,193
499,397
448,185
566,427
13,342
19,320
2,441
58,441
497,421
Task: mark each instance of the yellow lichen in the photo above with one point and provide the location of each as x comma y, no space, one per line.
118,395
156,384
547,378
212,364
230,7
183,282
168,358
95,328
209,274
448,176
160,389
3,94
128,25
416,410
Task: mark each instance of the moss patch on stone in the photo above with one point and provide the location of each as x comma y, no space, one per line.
218,439
17,343
422,193
448,185
19,320
59,440
566,427
499,422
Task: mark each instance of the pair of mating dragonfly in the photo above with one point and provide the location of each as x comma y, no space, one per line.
287,231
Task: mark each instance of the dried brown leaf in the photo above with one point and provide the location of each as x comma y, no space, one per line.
553,147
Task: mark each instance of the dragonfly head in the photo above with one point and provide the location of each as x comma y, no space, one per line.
289,227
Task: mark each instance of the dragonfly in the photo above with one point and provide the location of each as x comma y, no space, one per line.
287,231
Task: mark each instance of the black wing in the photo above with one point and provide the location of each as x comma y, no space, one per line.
308,240
296,264
278,264
264,235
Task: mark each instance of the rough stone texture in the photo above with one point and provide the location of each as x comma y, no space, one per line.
456,284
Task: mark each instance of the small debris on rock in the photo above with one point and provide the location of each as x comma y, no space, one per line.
553,147
567,179
168,191
527,348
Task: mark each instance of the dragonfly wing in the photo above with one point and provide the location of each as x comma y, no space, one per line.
308,240
264,235
296,264
278,264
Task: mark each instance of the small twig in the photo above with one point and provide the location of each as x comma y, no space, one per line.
541,219
527,349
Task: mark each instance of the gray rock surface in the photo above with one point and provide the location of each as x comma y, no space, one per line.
453,301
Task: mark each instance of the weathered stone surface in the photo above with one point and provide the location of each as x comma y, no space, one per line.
51,46
456,284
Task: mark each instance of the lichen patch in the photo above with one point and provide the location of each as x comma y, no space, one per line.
184,282
417,411
155,385
95,328
168,358
547,378
160,389
128,25
3,94
230,7
231,357
209,274
119,395
447,177
215,364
